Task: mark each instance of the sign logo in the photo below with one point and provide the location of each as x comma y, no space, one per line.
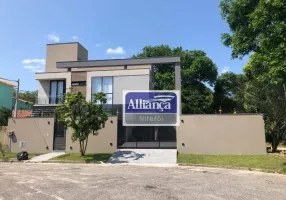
151,108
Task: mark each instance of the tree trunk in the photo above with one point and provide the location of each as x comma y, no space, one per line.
83,145
274,145
81,148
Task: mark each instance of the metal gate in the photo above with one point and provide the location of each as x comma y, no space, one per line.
146,137
59,136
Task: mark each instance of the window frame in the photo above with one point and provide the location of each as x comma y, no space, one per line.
57,87
101,89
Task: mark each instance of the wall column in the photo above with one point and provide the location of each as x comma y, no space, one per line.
178,81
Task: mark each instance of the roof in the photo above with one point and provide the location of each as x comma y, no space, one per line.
23,113
118,62
63,43
7,82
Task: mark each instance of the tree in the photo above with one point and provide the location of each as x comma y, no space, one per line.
30,96
255,25
4,116
84,118
269,99
229,92
258,26
197,70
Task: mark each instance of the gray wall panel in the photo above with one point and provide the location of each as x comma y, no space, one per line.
121,83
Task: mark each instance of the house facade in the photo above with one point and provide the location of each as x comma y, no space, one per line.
68,68
6,94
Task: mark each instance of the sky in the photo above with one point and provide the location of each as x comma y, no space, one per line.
107,29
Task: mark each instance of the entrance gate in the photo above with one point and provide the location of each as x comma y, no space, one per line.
59,137
144,137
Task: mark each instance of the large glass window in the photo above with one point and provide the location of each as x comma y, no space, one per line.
103,84
57,91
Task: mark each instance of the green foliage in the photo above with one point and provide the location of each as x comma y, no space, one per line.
197,70
268,163
3,152
269,99
258,26
4,116
82,117
30,96
229,92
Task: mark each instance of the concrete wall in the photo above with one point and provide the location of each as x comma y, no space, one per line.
104,142
37,134
82,53
221,134
139,67
121,83
78,76
43,92
111,68
64,52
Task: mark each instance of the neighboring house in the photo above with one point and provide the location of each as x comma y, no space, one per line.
22,104
6,94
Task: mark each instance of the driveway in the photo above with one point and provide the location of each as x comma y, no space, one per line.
88,181
144,156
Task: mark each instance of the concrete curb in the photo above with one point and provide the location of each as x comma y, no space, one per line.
11,161
71,161
228,167
147,165
142,164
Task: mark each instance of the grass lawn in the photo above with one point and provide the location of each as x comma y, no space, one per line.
89,158
14,155
267,163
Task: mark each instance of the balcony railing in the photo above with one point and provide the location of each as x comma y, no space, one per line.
46,100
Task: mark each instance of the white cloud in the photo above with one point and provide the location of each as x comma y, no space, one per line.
34,65
224,70
34,61
35,68
53,37
118,50
98,45
75,37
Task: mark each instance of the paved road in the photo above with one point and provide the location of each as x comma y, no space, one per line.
83,181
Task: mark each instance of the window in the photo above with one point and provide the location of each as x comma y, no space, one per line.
57,91
103,84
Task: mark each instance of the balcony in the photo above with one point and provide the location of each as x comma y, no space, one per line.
49,100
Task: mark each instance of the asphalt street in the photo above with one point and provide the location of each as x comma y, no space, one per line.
89,181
